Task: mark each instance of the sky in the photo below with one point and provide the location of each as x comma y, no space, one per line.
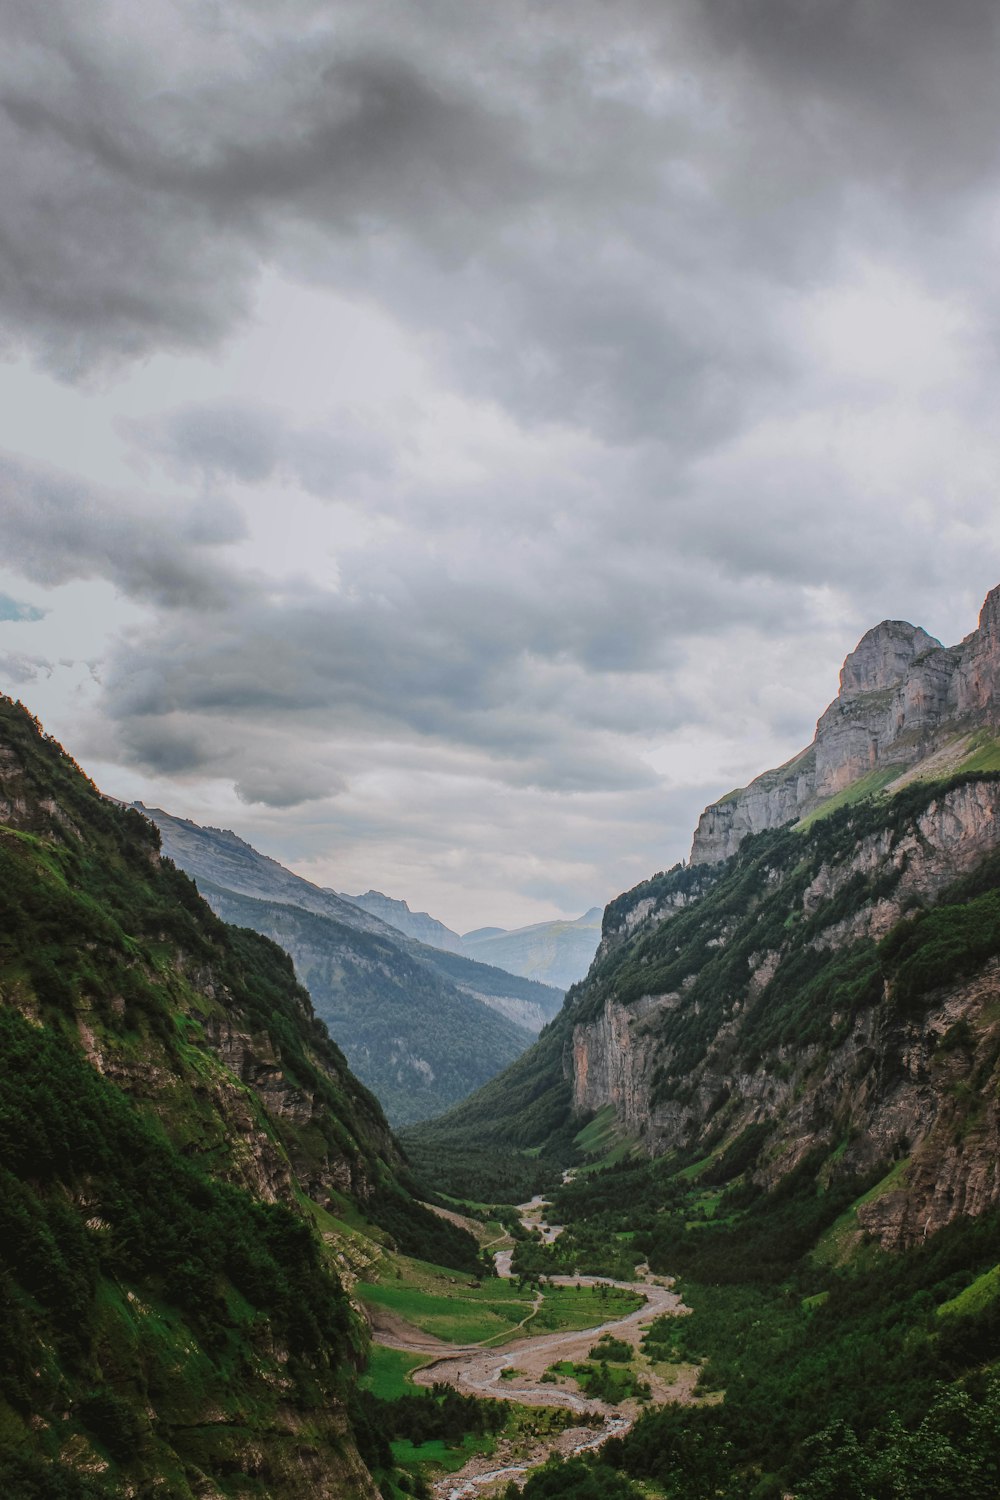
451,444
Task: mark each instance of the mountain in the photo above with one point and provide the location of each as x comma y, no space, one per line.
417,1041
558,953
180,1141
821,997
907,707
416,924
421,1027
220,858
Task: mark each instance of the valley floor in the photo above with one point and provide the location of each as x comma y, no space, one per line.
533,1370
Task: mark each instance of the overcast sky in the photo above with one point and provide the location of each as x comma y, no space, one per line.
451,443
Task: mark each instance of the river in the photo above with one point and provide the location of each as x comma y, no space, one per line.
480,1372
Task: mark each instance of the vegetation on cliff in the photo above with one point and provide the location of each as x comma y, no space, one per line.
174,1124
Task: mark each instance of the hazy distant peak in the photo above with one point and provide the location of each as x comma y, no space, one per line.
416,924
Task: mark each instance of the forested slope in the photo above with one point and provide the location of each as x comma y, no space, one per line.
175,1124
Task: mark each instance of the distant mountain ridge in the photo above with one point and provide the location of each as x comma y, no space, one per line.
416,924
558,953
219,855
420,1026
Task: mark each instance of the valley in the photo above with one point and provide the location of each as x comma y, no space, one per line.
529,1368
729,1229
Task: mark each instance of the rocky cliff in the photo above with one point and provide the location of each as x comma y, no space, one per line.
778,1000
820,991
905,701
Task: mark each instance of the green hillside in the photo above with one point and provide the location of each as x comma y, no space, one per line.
174,1122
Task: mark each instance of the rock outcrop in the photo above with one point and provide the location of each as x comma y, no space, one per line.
903,699
882,1083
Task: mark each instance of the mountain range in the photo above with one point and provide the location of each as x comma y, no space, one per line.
556,953
779,1079
420,1026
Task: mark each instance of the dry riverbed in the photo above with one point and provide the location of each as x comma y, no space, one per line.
481,1372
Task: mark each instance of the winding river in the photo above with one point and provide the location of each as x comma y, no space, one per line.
481,1372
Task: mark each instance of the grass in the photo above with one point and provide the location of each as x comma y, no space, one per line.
840,1242
867,786
450,1307
461,1318
388,1372
600,1134
975,1298
410,1455
984,754
689,1173
603,1140
573,1309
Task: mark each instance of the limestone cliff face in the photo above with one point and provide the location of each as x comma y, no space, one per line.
881,1084
903,698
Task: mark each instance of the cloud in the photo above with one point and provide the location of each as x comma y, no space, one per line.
593,220
58,528
17,669
685,314
250,443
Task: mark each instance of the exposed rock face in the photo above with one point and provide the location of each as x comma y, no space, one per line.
892,1087
650,903
902,695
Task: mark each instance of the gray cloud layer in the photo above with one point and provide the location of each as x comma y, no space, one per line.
723,270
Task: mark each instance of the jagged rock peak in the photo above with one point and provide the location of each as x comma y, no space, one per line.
903,699
882,656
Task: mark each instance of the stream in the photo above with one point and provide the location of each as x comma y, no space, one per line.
480,1372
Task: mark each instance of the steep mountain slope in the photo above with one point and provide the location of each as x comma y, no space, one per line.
826,999
221,858
422,1027
174,1124
415,924
907,707
559,953
418,1043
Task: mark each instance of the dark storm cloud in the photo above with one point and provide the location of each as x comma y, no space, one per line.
143,188
593,214
606,233
898,88
56,528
